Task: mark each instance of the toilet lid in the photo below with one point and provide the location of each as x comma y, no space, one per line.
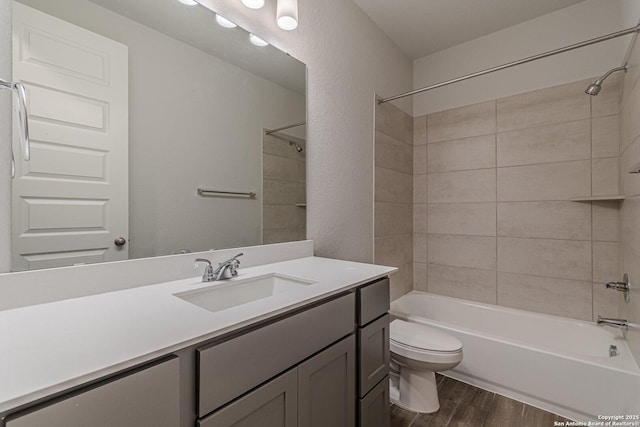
422,336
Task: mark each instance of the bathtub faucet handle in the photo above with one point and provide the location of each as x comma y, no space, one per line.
623,286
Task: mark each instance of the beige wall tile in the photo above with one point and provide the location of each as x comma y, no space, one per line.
466,283
473,219
566,259
463,122
546,106
420,159
466,186
420,247
462,251
393,186
420,130
605,136
568,298
392,250
408,129
420,218
279,192
393,218
604,177
279,235
629,158
393,154
630,225
605,221
419,188
631,122
280,216
420,276
301,194
544,144
401,282
478,152
390,120
552,181
605,302
552,220
606,262
608,100
274,167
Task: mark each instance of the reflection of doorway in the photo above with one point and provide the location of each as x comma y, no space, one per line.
70,202
284,216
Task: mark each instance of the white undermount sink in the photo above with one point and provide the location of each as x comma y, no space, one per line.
235,292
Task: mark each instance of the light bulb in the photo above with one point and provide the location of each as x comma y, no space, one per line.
287,14
224,22
257,41
253,4
188,2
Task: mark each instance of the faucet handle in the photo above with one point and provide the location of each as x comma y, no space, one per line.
207,276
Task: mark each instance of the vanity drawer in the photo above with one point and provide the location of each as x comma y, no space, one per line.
373,301
373,342
231,368
374,409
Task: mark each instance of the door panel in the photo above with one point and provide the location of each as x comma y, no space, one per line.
70,202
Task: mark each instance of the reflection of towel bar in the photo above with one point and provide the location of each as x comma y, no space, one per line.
205,192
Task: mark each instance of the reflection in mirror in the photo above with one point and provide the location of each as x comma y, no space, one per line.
136,104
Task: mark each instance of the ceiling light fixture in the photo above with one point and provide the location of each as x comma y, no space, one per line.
287,14
253,4
224,22
257,41
188,2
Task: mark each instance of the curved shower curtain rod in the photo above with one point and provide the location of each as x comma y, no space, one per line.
633,30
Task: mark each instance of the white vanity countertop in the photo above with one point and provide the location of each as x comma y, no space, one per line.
47,348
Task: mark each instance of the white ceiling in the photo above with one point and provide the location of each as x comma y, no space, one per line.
422,27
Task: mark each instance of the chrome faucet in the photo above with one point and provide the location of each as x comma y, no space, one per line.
227,269
616,323
207,276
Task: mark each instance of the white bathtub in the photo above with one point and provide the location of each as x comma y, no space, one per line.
554,363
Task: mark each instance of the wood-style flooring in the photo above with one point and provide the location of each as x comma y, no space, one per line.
463,405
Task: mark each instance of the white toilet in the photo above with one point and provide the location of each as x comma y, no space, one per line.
417,352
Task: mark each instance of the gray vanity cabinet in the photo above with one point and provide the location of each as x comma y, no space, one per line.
274,404
373,355
148,397
326,387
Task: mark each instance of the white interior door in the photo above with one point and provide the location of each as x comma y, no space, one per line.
70,202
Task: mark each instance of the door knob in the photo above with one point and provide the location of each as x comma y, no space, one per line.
120,241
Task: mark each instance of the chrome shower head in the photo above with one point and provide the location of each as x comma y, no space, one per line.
298,146
595,87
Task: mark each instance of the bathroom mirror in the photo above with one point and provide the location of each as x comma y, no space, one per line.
134,107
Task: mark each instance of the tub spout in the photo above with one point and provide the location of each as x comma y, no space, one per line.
616,323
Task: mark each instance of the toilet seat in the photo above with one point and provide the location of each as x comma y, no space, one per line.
423,343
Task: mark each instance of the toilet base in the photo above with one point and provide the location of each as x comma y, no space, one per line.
415,391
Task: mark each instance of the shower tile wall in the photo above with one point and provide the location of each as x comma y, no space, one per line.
493,219
630,186
284,190
394,192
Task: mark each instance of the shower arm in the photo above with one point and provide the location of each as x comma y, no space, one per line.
633,30
608,73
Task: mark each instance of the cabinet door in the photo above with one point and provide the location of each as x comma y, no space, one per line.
272,405
146,398
374,410
374,354
326,387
